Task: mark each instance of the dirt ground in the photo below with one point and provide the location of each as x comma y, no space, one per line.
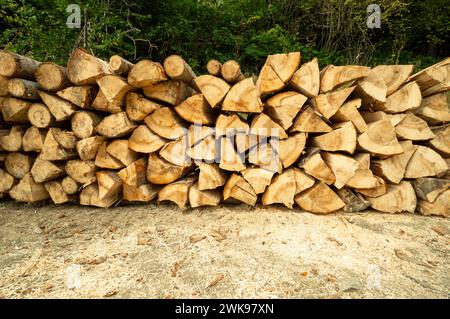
154,251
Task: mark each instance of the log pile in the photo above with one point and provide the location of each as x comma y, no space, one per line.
342,138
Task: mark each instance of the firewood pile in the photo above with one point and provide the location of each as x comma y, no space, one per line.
345,138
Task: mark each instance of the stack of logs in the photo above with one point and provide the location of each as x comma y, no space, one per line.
341,138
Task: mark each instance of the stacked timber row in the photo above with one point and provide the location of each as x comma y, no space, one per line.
341,138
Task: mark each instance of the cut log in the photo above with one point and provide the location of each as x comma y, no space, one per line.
40,116
18,164
263,125
166,123
138,107
172,92
87,147
160,171
335,76
4,86
229,124
380,139
61,109
66,139
277,71
237,187
363,177
428,188
210,176
89,196
315,166
195,109
119,149
328,104
114,88
413,128
84,68
53,151
44,171
372,89
145,73
119,65
56,192
440,207
141,193
82,96
12,142
434,109
27,190
349,112
353,201
115,125
109,184
284,107
398,198
243,97
281,190
143,140
311,122
214,67
82,172
24,89
258,178
83,123
177,152
206,151
7,181
379,190
342,138
215,89
51,77
343,167
33,139
177,192
441,142
231,71
265,155
15,65
406,98
199,198
70,186
15,110
291,148
306,79
393,75
425,162
178,69
319,199
230,160
101,104
104,160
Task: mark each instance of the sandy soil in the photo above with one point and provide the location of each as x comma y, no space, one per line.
229,251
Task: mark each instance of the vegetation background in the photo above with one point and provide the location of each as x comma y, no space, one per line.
412,31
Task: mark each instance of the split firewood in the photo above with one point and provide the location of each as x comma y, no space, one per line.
258,178
335,76
53,151
199,198
284,107
215,89
114,88
84,68
15,110
205,151
315,166
363,177
238,188
87,147
434,109
7,181
277,71
266,155
393,75
231,71
66,139
177,192
398,198
145,73
119,65
228,124
306,79
311,122
245,141
33,139
291,148
433,79
51,77
100,103
18,164
138,107
413,128
353,201
376,191
440,207
406,98
56,192
210,176
27,190
319,199
119,149
160,171
342,138
115,125
263,125
61,109
441,141
327,104
172,92
243,97
23,89
370,117
12,141
142,193
143,140
197,133
428,188
372,89
40,116
176,152
104,160
15,65
83,123
349,112
178,69
82,172
380,139
281,190
109,184
70,186
82,96
425,162
166,123
89,196
44,171
195,109
214,67
230,160
302,181
342,166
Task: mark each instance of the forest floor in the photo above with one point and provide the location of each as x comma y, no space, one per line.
149,251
